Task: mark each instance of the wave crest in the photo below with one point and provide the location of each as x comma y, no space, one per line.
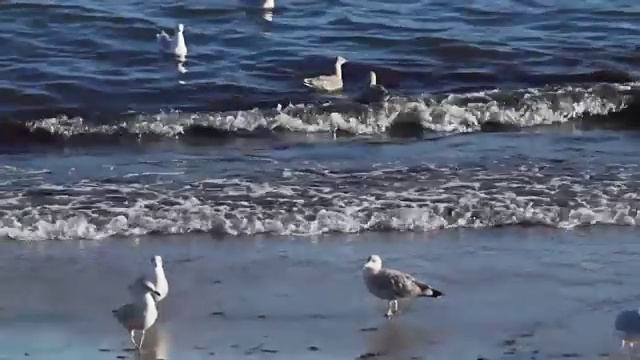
398,116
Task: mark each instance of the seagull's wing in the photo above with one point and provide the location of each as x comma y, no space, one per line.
405,285
126,313
164,40
326,82
399,283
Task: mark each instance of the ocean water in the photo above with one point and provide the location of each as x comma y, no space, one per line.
502,113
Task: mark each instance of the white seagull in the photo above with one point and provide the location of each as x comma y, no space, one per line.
139,315
391,285
175,45
374,92
328,82
268,4
158,280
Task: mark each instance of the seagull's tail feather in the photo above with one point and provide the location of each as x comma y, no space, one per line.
308,82
428,291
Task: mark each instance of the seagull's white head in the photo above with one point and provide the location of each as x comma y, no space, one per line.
180,28
372,78
157,261
374,263
340,60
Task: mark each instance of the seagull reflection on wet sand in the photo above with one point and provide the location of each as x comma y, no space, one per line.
156,344
399,338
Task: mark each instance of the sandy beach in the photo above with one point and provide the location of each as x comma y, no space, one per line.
517,294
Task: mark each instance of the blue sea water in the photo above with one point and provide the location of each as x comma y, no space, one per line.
501,113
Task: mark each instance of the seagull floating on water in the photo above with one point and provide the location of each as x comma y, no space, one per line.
139,315
328,82
374,92
391,285
158,280
268,4
175,45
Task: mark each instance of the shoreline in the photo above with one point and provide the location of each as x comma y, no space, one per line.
509,293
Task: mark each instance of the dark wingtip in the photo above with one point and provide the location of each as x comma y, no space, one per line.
431,292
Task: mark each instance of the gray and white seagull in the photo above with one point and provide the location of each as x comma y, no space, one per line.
391,285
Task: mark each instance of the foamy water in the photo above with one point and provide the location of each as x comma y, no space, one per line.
511,114
443,114
419,188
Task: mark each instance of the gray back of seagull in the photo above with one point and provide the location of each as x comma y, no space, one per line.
389,284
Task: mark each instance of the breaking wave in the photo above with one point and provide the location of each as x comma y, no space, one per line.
495,110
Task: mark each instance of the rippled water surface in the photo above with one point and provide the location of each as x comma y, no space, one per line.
500,113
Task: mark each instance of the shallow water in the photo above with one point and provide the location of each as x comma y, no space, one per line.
543,178
509,294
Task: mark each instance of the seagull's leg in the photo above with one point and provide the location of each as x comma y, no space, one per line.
133,340
395,306
389,312
141,340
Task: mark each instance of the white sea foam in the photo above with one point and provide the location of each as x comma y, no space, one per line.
315,202
452,113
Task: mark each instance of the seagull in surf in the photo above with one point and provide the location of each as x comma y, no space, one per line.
374,92
328,82
391,285
268,4
175,45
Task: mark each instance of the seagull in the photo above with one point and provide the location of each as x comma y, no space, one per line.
392,285
628,324
268,4
139,315
374,92
158,280
175,45
328,82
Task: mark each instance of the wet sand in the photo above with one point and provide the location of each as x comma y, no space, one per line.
510,293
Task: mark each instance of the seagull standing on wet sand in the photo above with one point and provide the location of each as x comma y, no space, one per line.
175,45
627,323
159,280
328,82
139,315
391,285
